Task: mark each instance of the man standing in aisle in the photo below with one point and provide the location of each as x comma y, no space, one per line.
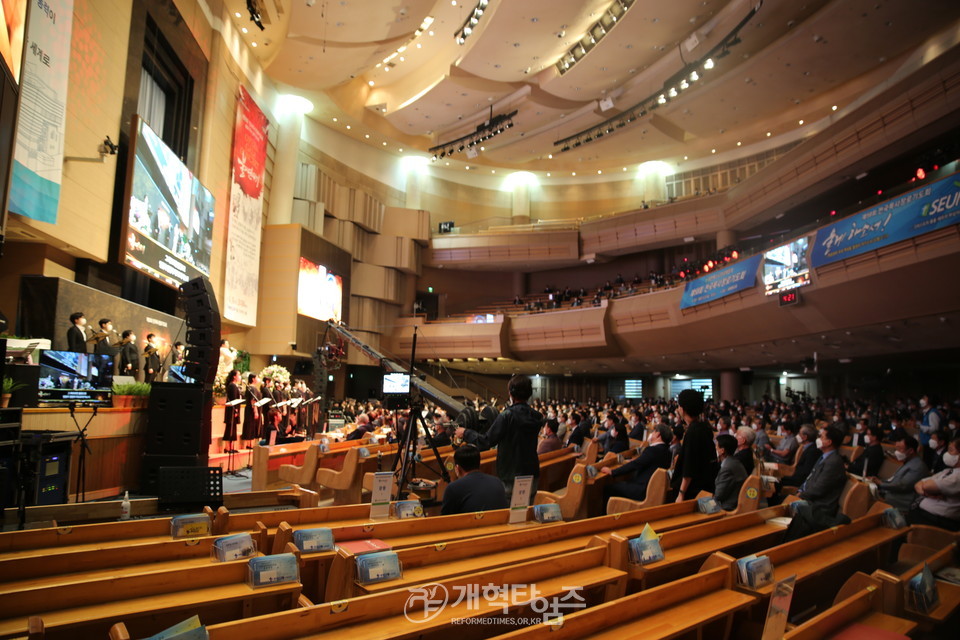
514,433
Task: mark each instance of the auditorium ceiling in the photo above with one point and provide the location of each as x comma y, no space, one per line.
395,72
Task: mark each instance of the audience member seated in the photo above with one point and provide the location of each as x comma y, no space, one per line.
617,440
870,461
676,442
635,427
363,427
697,467
549,440
655,456
762,443
745,438
897,491
859,433
473,490
578,428
940,494
731,475
787,450
820,493
808,457
933,452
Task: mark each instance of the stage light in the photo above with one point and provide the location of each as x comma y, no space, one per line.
708,63
921,174
662,99
672,92
734,254
694,76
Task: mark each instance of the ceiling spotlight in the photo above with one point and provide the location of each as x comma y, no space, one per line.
565,147
467,31
672,92
694,76
576,144
662,99
708,63
684,84
621,124
599,134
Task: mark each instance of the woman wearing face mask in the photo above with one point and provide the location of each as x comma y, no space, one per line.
940,494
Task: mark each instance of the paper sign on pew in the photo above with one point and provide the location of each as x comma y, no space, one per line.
189,629
190,526
520,500
234,547
313,540
380,496
707,505
645,548
276,569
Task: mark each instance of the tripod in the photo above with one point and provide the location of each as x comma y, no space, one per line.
407,447
232,451
81,495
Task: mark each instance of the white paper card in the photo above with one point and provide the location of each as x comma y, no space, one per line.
520,500
380,498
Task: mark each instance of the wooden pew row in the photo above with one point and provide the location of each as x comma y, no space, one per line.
699,606
924,545
268,460
685,549
395,614
149,601
441,560
828,557
858,608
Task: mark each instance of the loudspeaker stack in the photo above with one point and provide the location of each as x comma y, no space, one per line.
179,415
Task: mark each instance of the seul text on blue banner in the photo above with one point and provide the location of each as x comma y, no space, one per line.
723,282
931,207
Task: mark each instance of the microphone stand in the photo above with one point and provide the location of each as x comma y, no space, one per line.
81,493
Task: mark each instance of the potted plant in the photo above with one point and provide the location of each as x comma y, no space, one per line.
141,394
122,396
9,386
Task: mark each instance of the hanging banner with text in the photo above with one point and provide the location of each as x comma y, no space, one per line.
931,207
713,286
241,278
38,152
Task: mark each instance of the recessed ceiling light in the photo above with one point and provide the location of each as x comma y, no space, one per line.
574,173
448,164
430,32
348,126
833,108
370,82
401,149
493,170
800,122
549,156
768,134
599,171
713,150
384,144
624,168
367,136
419,46
684,157
548,174
243,29
253,44
237,14
335,120
453,3
739,143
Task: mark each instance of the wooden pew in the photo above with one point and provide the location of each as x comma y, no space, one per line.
826,556
858,608
305,473
924,545
147,601
657,489
571,497
347,483
393,614
700,606
268,460
685,549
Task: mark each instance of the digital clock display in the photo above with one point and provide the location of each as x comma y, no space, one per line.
789,297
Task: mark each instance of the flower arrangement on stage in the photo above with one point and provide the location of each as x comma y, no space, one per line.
275,372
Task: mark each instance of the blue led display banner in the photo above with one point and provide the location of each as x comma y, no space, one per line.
928,208
736,277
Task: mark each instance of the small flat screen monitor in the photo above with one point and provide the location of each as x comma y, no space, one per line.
67,377
396,383
786,267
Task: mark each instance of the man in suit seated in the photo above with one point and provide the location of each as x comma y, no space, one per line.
549,440
820,492
473,490
731,475
745,438
655,456
808,457
897,491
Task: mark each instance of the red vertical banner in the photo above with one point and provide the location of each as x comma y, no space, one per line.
241,278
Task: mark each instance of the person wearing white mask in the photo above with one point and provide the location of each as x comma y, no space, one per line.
897,491
870,461
940,494
930,420
933,452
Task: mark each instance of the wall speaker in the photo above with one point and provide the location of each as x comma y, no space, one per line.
178,419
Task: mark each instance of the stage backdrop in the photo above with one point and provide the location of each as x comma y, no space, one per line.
46,304
38,155
241,279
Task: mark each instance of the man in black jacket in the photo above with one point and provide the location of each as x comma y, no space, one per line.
129,355
697,467
151,359
77,334
655,456
473,490
514,433
808,457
